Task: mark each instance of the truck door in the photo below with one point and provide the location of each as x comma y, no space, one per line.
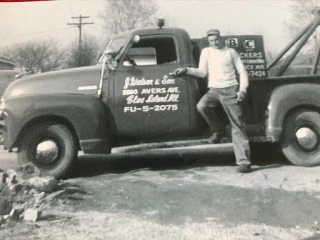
147,100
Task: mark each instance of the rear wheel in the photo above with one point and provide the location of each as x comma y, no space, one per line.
301,138
50,147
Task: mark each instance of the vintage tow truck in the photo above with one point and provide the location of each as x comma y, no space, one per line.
131,100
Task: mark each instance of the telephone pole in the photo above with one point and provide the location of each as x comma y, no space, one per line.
79,25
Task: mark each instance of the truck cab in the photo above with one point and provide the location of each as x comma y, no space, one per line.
145,96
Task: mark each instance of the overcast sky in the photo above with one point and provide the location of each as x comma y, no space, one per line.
21,22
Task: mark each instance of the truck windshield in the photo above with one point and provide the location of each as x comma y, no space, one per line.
115,45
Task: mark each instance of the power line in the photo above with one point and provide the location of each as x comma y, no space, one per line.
70,9
79,25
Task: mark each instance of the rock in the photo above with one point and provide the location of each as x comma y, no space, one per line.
5,200
53,195
2,221
32,215
30,170
12,177
3,177
13,181
38,198
15,188
44,184
16,212
5,205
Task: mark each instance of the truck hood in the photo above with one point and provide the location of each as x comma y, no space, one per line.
84,80
6,77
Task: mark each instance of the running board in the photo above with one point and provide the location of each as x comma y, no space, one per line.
176,146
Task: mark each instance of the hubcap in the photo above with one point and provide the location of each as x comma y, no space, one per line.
306,138
47,152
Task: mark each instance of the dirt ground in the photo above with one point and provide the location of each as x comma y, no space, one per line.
188,197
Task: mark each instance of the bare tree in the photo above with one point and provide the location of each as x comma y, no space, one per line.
302,14
88,56
124,15
37,56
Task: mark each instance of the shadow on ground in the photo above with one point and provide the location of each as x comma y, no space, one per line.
265,156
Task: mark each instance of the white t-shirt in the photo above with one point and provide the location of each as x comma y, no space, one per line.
219,65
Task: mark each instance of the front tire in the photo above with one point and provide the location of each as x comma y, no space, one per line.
301,138
50,147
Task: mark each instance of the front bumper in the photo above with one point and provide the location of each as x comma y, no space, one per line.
1,129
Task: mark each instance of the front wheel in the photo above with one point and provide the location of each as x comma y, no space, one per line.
50,147
301,138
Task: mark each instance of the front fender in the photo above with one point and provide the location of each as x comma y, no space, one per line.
86,114
285,99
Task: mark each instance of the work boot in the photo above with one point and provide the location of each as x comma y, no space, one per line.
216,137
244,168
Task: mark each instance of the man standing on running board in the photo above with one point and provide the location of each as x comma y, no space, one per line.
219,64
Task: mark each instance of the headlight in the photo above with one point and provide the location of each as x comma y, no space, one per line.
2,106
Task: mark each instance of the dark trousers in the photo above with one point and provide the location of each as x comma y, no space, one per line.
208,108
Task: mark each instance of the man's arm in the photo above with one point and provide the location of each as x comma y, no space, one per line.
202,70
244,82
199,72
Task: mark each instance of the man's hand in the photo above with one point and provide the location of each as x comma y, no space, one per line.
241,96
180,72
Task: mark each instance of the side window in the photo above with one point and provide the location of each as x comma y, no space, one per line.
142,56
152,51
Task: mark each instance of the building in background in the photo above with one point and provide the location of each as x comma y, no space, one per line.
6,63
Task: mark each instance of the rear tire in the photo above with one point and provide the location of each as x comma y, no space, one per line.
301,138
50,147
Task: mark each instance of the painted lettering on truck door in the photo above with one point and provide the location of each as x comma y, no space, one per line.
149,102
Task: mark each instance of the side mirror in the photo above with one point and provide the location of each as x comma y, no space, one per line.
112,65
112,54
